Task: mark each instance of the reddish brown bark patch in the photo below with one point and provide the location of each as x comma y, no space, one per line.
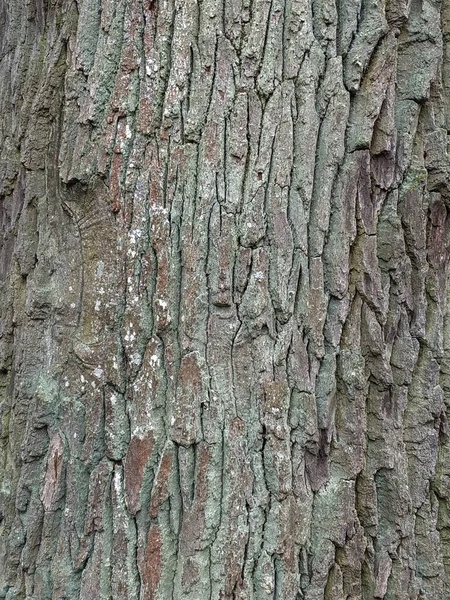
160,490
136,459
53,472
151,569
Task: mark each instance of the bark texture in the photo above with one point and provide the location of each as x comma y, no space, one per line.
225,328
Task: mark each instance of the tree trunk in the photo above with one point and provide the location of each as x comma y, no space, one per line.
225,333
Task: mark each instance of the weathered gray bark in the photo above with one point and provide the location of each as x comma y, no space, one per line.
225,337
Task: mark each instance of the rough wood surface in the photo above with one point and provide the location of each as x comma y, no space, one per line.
225,329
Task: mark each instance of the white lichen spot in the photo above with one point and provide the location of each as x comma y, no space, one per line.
98,372
118,483
100,268
113,399
249,225
149,67
97,305
73,305
154,360
158,209
129,337
82,379
268,584
101,291
259,275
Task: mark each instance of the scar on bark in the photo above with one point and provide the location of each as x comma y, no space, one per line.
53,472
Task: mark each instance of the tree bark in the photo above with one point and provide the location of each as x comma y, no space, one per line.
225,329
